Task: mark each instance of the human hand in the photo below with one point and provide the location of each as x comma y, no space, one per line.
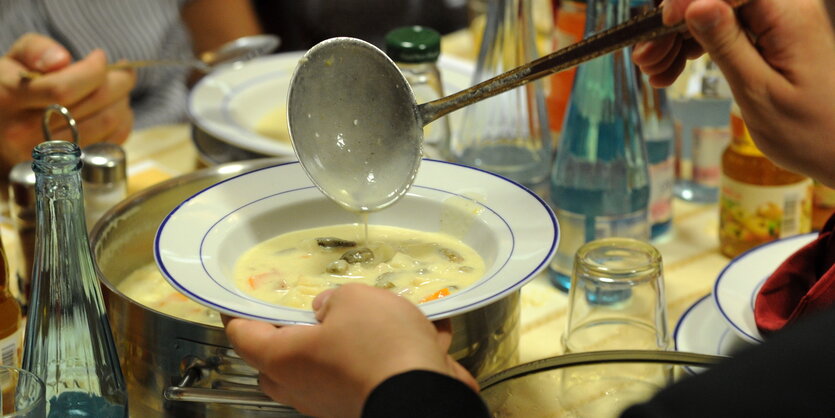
778,59
98,98
365,336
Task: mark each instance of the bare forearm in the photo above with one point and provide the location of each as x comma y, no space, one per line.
214,22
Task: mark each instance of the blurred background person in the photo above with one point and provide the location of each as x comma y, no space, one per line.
71,41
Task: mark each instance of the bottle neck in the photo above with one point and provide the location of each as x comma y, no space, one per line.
603,14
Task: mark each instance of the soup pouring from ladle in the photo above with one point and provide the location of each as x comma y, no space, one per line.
357,129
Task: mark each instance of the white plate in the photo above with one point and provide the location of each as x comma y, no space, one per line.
232,101
702,330
736,288
197,244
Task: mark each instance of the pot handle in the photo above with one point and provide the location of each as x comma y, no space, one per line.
184,392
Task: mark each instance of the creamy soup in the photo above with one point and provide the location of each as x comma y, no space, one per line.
274,125
292,268
147,287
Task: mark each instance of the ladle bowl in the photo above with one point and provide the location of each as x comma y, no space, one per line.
364,157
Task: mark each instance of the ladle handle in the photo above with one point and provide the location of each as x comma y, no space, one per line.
640,28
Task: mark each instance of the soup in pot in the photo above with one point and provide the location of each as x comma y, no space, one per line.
147,287
292,268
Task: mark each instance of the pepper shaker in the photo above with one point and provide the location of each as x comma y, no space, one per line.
104,177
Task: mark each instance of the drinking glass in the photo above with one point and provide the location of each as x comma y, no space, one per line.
23,393
616,298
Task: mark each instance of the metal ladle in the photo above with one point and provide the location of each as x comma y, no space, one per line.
241,49
357,129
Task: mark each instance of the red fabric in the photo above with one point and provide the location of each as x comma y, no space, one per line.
803,284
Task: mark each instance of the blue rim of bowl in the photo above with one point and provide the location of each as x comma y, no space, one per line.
685,319
722,275
228,96
482,302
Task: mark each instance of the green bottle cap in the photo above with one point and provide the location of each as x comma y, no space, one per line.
413,44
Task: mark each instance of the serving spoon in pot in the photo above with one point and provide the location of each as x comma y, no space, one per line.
241,49
357,129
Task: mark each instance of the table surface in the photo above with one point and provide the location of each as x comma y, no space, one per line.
690,252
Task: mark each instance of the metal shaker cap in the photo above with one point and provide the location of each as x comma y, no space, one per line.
104,163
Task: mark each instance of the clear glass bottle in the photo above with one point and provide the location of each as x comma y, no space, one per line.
600,180
507,134
659,133
702,124
759,201
415,50
68,338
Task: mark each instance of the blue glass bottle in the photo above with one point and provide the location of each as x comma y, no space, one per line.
69,344
600,180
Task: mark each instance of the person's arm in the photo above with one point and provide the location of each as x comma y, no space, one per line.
778,57
427,394
215,22
365,336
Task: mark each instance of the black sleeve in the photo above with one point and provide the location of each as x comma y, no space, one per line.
792,374
421,393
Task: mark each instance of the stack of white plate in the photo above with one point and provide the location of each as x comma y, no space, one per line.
722,323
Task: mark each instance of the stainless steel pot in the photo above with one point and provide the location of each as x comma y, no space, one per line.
180,368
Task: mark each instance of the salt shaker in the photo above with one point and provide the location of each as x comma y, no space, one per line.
104,177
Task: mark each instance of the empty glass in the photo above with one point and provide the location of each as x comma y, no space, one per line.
23,393
616,299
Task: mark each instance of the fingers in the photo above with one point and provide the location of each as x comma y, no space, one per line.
39,53
248,337
116,86
714,25
657,57
263,345
673,11
320,304
66,86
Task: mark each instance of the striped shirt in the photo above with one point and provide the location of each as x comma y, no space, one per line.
124,29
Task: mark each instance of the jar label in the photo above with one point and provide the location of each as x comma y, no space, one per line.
661,178
10,356
10,349
757,214
708,145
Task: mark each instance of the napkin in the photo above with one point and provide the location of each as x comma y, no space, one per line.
803,284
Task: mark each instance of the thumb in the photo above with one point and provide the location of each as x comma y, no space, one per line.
40,53
715,26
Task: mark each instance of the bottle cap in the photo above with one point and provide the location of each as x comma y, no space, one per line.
413,44
104,163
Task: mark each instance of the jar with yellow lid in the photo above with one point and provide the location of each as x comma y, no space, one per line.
759,201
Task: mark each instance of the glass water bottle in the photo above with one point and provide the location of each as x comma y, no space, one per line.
507,134
68,338
415,50
600,180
